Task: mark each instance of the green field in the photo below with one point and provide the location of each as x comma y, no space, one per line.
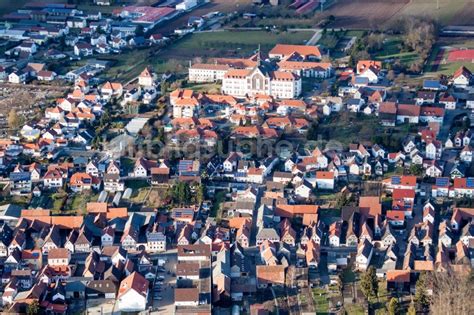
177,56
450,68
321,302
232,43
391,50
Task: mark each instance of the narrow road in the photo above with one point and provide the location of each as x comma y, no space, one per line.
253,230
448,120
276,301
35,86
316,37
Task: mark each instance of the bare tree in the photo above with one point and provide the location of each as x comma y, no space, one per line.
453,293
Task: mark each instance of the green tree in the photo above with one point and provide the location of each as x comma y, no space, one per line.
182,193
393,307
422,300
369,283
164,87
313,131
200,193
416,169
32,308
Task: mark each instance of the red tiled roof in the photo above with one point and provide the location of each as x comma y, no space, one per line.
408,110
403,193
303,50
398,276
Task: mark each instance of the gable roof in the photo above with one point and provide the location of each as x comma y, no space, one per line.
303,50
408,110
134,281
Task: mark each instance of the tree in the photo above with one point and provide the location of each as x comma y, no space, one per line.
416,169
391,75
452,293
393,306
181,193
13,119
140,31
422,300
369,283
200,193
32,308
164,87
312,132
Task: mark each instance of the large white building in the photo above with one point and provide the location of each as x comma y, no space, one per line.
207,72
279,77
259,81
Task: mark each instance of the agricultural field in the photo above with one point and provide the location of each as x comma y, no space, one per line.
455,12
363,13
368,14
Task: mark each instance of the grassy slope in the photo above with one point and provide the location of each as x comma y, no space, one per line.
176,57
217,43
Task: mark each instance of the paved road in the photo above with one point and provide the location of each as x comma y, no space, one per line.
46,87
449,117
277,307
316,37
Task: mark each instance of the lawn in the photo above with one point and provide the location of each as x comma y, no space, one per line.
354,309
176,57
450,68
77,203
391,50
139,195
216,210
321,302
232,43
204,87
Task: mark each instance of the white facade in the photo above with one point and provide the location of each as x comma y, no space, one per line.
240,83
207,73
132,301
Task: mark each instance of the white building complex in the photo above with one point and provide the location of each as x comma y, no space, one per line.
259,81
279,77
207,72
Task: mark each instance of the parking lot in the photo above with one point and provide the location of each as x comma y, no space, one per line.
163,301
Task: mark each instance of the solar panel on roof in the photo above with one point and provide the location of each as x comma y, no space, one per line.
442,181
470,182
396,180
